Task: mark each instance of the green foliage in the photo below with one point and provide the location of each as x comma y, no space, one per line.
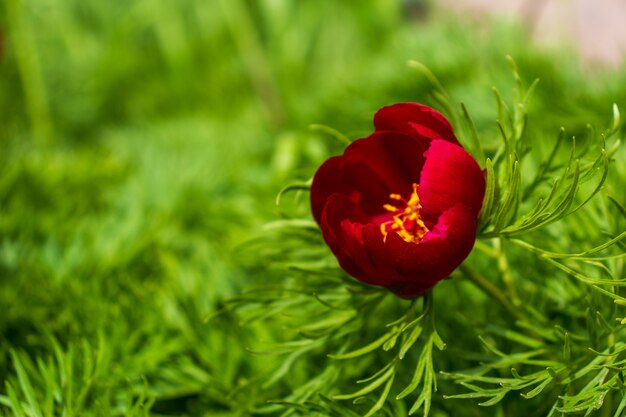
143,142
571,361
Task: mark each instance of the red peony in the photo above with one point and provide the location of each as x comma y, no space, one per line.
400,207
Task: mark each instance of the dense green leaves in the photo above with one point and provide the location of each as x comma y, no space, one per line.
143,143
556,363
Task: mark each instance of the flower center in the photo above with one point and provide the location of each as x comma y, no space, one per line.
406,220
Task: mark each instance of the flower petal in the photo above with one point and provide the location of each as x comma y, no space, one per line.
369,170
381,164
344,236
441,251
413,144
325,184
416,120
450,176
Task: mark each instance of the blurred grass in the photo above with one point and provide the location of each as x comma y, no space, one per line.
142,141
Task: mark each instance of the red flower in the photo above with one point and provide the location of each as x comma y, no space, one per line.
399,208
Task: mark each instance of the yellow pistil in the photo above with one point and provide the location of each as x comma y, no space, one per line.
406,222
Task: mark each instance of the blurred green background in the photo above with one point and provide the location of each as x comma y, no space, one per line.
142,141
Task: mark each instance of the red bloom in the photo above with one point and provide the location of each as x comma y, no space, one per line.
399,208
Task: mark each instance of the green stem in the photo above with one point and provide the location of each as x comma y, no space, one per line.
507,276
494,292
30,70
242,27
486,249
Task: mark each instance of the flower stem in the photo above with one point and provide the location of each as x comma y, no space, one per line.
507,276
494,292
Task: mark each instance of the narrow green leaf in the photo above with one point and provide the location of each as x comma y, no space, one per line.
284,367
504,116
365,349
496,399
557,255
545,166
410,341
377,374
619,282
446,107
422,362
479,392
441,345
25,385
567,349
14,402
510,198
292,187
533,393
337,408
491,191
605,173
514,336
332,132
476,145
530,92
429,76
383,397
294,223
621,406
515,72
616,120
369,388
389,344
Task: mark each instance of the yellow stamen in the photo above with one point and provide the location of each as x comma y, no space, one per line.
406,222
